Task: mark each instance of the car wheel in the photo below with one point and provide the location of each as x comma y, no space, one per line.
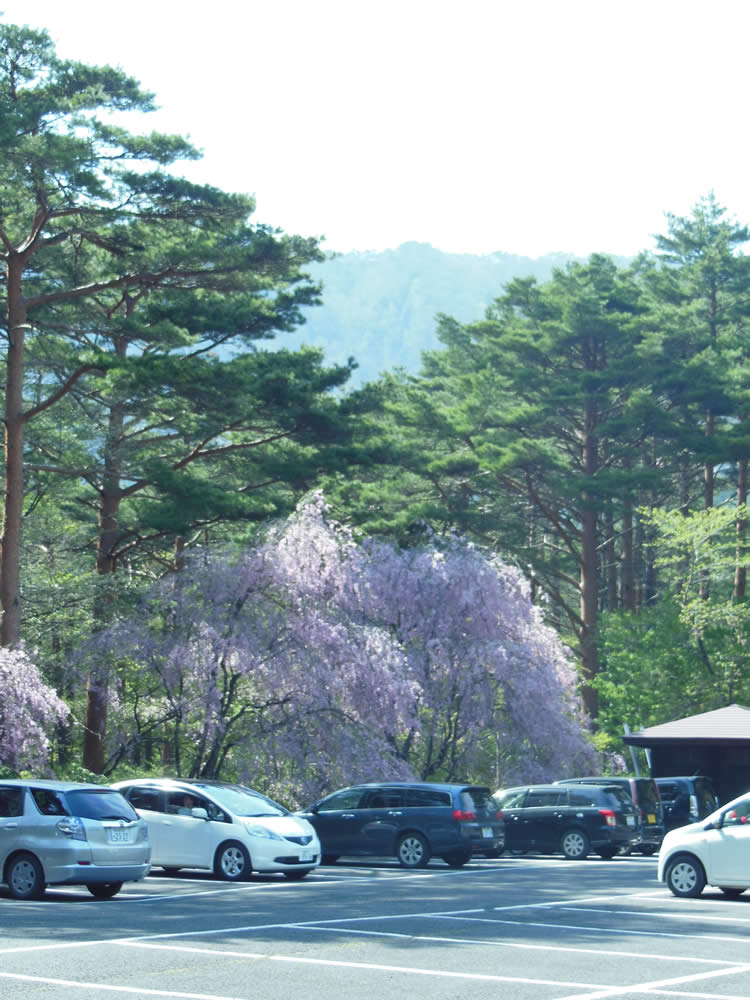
169,870
413,851
647,849
731,890
494,854
685,876
297,874
232,862
457,859
329,859
104,890
607,852
25,877
574,844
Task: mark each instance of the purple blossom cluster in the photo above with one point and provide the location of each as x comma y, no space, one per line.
28,711
313,659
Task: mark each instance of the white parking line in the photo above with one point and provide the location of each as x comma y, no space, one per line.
657,985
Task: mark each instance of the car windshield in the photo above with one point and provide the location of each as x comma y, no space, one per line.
243,801
92,803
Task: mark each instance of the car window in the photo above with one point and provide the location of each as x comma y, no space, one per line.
546,797
582,797
49,802
704,791
671,790
99,803
11,800
145,798
349,798
382,798
477,799
513,798
648,797
427,798
738,815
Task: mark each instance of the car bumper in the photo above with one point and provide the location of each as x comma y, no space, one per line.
87,874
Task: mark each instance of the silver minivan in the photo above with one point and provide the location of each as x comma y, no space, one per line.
69,833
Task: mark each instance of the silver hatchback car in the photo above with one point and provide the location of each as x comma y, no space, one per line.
69,833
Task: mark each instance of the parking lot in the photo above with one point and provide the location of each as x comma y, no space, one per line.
530,928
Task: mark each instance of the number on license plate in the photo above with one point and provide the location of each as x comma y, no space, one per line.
486,831
630,820
119,836
651,818
306,857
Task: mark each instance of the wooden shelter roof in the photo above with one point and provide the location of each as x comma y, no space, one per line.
724,725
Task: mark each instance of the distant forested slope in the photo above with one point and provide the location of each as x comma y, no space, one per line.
380,306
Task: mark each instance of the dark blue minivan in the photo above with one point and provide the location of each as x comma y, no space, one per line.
410,821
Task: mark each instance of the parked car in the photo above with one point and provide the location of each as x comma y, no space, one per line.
686,800
69,833
645,794
570,819
412,821
227,828
713,851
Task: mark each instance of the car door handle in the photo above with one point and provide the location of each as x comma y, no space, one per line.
395,812
9,826
347,815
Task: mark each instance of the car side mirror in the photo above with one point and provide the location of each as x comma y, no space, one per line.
199,812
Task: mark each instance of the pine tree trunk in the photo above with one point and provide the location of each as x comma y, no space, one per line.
740,571
10,564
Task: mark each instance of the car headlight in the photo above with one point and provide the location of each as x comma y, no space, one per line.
256,830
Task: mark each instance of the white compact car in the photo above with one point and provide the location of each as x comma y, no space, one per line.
713,851
226,828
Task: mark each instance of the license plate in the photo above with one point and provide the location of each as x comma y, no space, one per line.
306,857
486,831
630,820
651,818
119,836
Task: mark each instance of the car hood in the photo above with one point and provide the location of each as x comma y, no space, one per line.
285,826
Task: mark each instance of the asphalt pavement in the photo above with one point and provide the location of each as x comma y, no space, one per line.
526,928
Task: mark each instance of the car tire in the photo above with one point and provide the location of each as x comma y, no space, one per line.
413,851
170,870
329,859
574,844
685,876
457,859
608,852
231,861
104,890
647,849
25,878
297,874
731,890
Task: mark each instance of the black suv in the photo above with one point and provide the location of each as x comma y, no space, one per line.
569,819
645,794
409,820
686,800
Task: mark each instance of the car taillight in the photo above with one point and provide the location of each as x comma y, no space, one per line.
72,827
609,817
499,814
694,806
464,814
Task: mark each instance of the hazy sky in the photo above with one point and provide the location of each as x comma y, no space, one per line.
526,126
